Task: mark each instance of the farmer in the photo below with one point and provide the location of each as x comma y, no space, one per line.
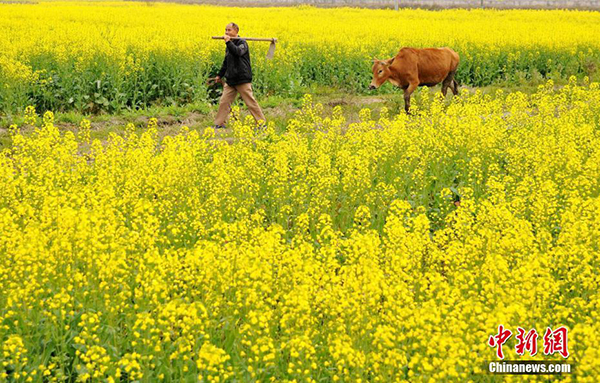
238,74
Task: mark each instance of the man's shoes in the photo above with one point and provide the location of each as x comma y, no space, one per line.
217,127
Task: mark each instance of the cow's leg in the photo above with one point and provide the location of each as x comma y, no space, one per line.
448,82
445,85
407,93
454,87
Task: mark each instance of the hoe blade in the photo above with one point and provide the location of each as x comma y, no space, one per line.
271,50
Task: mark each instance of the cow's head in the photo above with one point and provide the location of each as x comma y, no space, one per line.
381,72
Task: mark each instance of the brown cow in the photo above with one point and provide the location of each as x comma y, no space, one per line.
417,67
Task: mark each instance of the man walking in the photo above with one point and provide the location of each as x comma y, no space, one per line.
238,75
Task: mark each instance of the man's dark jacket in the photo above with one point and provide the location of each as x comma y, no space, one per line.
236,66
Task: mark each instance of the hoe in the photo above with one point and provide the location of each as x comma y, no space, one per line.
271,46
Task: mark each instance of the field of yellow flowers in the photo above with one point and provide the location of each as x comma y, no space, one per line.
386,250
106,56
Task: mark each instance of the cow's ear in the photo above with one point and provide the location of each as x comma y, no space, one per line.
389,62
375,60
